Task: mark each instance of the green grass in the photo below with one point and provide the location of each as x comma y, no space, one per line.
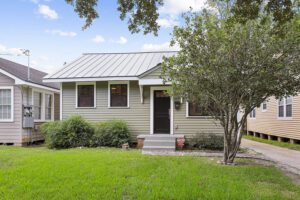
276,143
39,173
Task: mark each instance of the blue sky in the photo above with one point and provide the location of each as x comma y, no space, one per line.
52,31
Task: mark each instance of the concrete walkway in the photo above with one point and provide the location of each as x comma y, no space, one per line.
285,158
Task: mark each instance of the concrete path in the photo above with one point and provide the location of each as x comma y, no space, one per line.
285,158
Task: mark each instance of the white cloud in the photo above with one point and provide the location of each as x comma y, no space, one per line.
175,7
160,47
121,40
47,12
98,39
167,22
61,33
10,51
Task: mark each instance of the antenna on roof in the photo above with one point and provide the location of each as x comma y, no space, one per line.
26,52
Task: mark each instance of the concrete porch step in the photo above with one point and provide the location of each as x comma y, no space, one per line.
159,142
164,148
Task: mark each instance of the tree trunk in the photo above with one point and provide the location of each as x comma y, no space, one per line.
232,138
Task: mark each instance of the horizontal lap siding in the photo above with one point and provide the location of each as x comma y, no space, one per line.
268,122
191,127
10,132
137,116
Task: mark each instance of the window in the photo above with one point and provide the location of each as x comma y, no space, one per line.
86,95
253,113
118,95
6,104
37,105
196,110
285,107
48,106
264,106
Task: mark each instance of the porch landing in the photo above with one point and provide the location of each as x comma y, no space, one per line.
164,142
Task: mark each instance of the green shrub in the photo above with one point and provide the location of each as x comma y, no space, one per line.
210,141
72,132
112,133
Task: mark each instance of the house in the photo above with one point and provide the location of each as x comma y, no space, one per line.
276,119
25,103
127,86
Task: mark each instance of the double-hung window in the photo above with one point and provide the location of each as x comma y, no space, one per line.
264,106
119,93
285,107
48,106
37,105
86,95
196,110
6,104
253,113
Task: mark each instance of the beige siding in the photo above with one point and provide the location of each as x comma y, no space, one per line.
137,116
153,74
269,123
10,132
191,126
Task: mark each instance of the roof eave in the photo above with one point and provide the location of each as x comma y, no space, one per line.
86,79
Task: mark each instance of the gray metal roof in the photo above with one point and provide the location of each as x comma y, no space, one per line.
20,71
97,65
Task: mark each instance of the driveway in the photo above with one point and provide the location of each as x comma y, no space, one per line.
285,158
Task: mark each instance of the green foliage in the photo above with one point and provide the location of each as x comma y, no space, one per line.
233,67
72,132
112,133
77,132
208,141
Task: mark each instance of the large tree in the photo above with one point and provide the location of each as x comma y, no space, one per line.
142,15
230,68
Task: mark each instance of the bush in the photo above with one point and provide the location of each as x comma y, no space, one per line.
112,133
72,132
209,141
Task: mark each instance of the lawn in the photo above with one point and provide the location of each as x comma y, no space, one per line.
39,173
273,142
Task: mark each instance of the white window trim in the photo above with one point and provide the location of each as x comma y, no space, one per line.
152,89
43,106
255,114
284,109
128,94
12,104
187,114
76,94
262,106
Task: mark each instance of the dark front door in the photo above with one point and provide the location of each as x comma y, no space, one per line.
161,112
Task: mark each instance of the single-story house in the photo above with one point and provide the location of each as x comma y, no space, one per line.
25,102
276,119
128,86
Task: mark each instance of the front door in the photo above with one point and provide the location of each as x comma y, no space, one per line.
161,112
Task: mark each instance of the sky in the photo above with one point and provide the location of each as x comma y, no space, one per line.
53,33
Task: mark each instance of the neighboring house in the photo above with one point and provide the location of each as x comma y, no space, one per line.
21,96
276,119
104,86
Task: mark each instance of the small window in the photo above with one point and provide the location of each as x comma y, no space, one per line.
48,107
86,96
6,111
118,95
37,105
285,107
253,113
264,106
197,110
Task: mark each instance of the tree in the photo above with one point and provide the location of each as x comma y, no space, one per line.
143,15
234,67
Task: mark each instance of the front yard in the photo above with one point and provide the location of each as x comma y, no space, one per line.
39,173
